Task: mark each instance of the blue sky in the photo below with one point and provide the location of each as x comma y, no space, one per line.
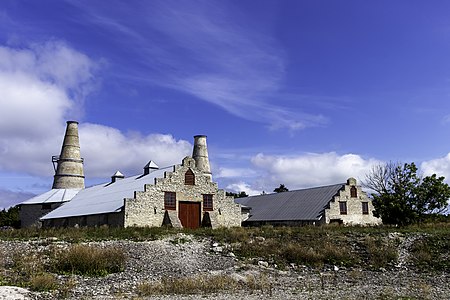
303,93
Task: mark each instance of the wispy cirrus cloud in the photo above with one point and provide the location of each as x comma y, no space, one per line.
208,50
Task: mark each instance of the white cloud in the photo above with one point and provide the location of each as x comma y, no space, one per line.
439,166
235,173
243,187
36,96
39,87
310,169
107,149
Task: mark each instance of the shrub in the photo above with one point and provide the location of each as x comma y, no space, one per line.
43,282
25,266
381,252
432,253
88,260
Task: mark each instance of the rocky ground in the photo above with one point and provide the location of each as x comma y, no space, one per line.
184,256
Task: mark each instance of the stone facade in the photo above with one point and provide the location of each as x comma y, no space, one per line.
351,206
29,214
148,208
109,219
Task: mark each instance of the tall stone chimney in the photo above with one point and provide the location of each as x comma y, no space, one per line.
69,171
200,155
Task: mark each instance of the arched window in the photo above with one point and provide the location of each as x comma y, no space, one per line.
353,192
189,178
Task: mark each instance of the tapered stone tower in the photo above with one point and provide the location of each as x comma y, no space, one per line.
69,171
200,155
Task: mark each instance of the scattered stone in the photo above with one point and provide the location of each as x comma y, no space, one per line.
260,239
264,264
150,261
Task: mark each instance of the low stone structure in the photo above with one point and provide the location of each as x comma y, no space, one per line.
344,203
351,206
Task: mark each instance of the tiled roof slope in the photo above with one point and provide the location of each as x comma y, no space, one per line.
306,204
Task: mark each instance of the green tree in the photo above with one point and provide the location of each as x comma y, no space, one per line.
237,195
401,196
282,188
10,217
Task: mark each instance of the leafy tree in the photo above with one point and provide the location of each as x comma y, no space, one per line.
282,188
237,195
401,196
10,217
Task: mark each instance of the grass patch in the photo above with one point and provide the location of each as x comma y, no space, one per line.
43,282
432,252
88,260
382,252
289,247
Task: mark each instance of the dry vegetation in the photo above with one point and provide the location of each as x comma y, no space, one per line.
37,269
88,260
358,249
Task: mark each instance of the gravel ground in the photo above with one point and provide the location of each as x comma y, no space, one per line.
183,256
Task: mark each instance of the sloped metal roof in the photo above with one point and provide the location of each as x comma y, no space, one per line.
104,198
306,204
53,196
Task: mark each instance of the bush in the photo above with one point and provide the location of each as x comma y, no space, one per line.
381,252
43,282
432,253
87,260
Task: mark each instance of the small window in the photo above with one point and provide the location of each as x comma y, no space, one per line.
353,192
343,208
207,202
170,200
365,208
189,178
46,206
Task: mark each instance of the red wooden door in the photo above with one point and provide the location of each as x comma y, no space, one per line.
189,214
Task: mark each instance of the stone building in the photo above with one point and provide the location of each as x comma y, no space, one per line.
180,196
344,203
68,180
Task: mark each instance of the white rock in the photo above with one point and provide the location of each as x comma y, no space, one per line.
13,292
262,263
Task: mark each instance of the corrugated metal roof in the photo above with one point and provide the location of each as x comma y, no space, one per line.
53,196
306,204
104,198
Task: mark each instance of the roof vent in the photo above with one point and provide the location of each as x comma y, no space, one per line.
150,166
117,176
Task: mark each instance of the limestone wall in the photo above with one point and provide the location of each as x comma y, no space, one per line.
109,219
147,207
31,213
354,205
